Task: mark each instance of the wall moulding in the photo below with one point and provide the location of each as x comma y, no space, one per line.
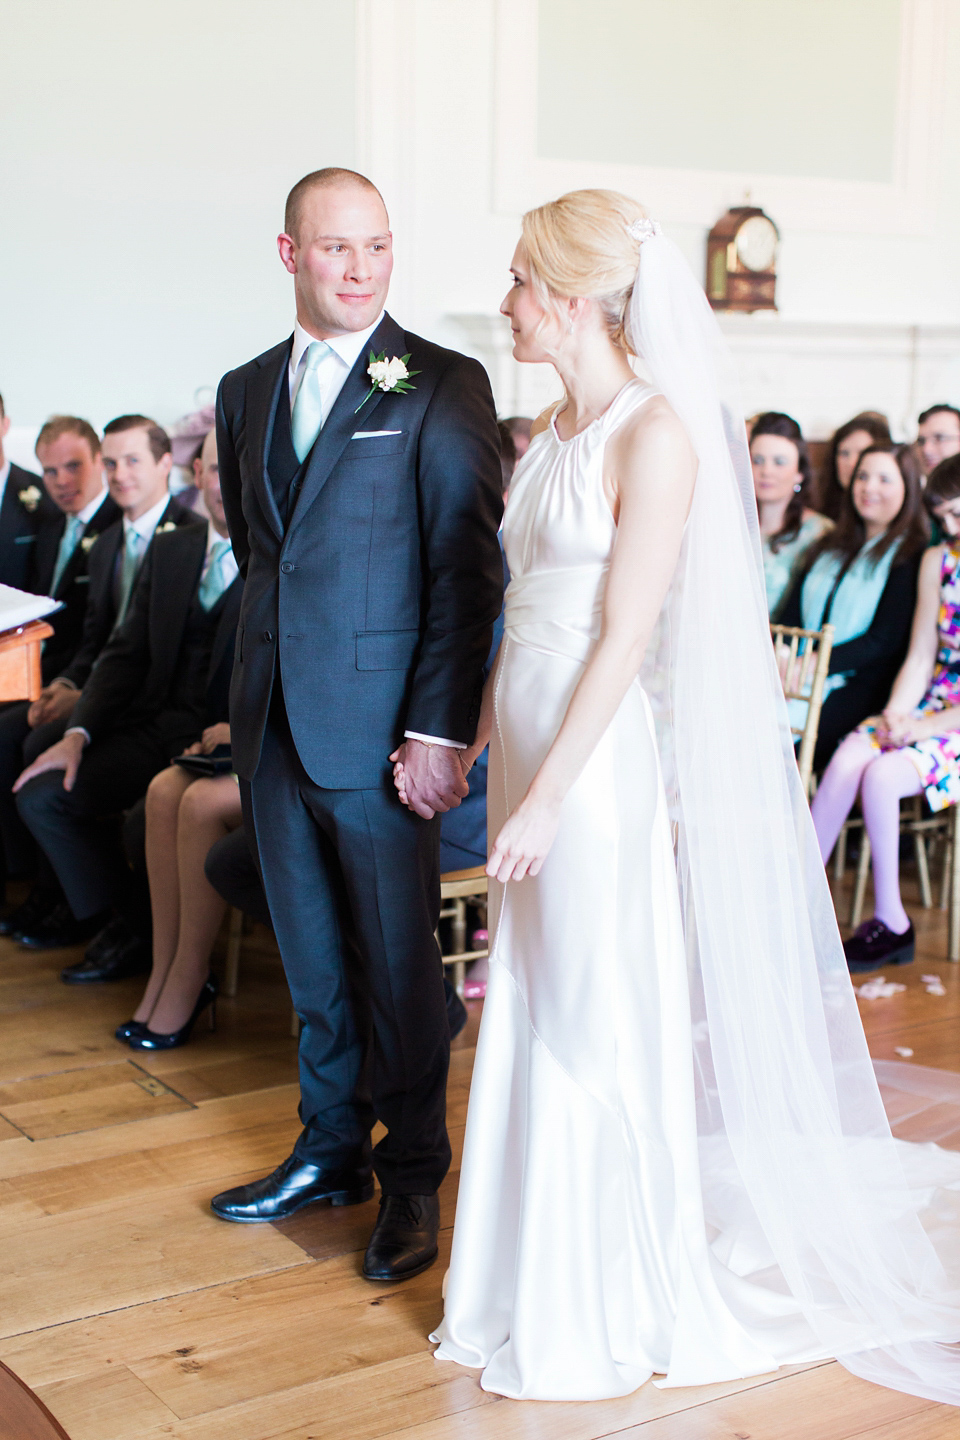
819,372
907,206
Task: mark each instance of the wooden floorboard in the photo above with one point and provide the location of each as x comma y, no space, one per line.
133,1314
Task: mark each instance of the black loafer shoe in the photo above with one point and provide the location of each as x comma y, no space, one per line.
60,930
131,958
34,910
292,1185
404,1239
874,945
114,934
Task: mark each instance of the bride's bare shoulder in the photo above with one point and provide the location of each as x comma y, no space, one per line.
542,421
652,432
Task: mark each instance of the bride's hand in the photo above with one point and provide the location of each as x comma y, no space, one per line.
399,780
522,845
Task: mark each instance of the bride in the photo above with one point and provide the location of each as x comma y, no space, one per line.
676,1158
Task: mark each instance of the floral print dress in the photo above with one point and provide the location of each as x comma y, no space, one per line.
938,758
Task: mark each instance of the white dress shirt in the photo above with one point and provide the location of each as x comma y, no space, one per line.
87,513
144,526
334,368
228,565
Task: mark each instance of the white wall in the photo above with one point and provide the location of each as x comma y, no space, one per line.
147,149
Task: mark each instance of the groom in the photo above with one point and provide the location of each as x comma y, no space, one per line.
365,522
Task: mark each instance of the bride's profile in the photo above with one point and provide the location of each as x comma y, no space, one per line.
676,1161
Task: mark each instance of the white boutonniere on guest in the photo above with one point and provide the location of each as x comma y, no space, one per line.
29,498
88,542
387,374
162,529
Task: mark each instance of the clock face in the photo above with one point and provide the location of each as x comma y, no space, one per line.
757,243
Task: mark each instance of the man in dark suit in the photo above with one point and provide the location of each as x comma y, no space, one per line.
136,457
78,509
364,517
150,694
23,506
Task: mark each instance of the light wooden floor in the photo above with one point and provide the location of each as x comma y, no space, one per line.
135,1315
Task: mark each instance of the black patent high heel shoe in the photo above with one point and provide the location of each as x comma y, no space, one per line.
130,1027
151,1040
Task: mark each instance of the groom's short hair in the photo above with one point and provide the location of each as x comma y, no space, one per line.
320,180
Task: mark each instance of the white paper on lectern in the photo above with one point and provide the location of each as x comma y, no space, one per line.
19,607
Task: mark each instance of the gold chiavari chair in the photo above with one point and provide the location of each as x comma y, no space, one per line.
456,888
803,659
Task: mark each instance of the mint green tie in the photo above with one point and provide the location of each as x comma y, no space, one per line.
69,541
128,571
307,415
213,585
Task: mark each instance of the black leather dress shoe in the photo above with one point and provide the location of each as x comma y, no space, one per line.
292,1185
114,934
132,958
32,912
404,1239
60,930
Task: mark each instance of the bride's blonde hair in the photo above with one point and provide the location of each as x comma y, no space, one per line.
581,246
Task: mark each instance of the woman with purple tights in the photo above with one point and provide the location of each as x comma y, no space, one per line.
913,747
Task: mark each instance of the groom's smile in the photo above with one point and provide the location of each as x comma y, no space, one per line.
339,250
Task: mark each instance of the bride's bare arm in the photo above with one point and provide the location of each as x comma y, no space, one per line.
651,468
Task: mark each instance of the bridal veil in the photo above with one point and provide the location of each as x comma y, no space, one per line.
789,1112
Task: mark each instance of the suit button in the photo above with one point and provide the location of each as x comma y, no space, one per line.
268,635
286,567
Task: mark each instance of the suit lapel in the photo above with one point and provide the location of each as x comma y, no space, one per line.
99,520
263,396
342,420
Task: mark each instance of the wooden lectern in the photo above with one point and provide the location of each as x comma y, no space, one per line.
20,650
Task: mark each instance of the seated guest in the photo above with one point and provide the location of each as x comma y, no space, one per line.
160,679
69,453
519,427
135,454
846,446
508,457
913,747
781,479
23,506
78,509
185,815
938,435
862,578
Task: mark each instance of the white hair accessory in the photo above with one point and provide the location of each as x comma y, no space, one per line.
641,230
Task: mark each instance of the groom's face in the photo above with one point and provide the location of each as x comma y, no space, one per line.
340,258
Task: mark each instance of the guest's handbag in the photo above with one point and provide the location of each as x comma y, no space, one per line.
218,762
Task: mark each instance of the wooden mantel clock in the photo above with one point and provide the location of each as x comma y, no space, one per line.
741,261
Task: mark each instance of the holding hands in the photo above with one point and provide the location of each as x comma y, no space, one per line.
430,779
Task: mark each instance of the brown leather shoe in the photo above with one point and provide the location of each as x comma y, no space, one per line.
404,1239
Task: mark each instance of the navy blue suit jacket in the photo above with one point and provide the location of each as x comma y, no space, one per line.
376,602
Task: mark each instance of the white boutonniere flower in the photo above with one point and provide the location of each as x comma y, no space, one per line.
162,529
387,374
88,542
29,498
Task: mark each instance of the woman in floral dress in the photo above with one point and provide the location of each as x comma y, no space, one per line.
913,747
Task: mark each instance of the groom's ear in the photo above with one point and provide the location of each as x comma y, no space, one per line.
287,247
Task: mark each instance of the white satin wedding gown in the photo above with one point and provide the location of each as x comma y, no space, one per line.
583,1261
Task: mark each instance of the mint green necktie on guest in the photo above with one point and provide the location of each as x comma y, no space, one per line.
213,584
69,541
128,571
307,415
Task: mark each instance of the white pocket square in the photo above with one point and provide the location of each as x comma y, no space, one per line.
373,434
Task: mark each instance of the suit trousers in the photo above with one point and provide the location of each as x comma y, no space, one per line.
352,882
78,829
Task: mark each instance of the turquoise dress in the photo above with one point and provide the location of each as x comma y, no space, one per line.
780,566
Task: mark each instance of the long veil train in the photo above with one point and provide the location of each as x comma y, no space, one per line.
788,1101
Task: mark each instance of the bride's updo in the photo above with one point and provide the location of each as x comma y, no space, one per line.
581,246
